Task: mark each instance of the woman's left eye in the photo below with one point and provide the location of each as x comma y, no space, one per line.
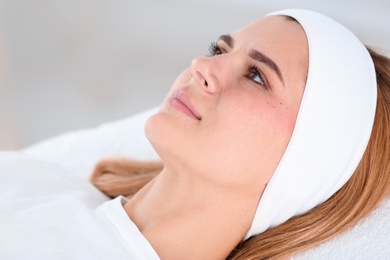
254,75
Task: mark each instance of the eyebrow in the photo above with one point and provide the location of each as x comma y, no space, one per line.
256,55
227,39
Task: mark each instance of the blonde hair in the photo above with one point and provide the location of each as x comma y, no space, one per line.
359,196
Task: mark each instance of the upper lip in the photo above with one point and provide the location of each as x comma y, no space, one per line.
185,99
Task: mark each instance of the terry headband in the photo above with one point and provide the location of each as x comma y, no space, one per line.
333,125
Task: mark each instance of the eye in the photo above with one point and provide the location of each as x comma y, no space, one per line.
254,75
214,49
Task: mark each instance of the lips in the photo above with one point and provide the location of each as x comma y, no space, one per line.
181,101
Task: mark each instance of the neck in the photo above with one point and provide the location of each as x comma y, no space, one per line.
187,218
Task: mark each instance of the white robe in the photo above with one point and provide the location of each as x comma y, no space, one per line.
48,213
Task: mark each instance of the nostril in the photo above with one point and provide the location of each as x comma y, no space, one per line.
201,78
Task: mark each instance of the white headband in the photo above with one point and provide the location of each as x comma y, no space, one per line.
333,126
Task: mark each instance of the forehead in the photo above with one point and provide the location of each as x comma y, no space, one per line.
280,38
272,29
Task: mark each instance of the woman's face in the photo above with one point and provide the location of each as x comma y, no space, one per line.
229,117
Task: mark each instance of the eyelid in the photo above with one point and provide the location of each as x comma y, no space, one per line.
222,45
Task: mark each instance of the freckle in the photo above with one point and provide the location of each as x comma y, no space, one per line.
267,102
273,107
280,102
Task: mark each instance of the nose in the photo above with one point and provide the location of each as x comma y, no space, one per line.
204,71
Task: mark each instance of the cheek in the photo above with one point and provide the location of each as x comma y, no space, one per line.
282,120
262,116
250,138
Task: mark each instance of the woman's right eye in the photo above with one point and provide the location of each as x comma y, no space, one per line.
214,49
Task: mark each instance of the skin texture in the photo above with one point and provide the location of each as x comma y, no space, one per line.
220,154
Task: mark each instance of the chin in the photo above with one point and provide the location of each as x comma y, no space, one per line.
151,129
168,135
160,132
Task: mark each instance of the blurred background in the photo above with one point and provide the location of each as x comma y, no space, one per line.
71,64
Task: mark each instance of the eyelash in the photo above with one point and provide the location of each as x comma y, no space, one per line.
214,50
253,68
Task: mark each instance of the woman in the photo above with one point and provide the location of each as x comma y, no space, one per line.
245,174
268,147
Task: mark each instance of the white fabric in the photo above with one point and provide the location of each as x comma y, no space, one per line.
79,151
333,126
369,239
46,213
